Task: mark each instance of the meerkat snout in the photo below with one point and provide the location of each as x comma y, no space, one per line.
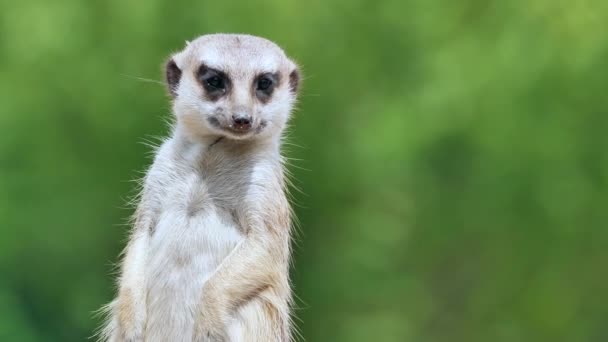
241,122
234,86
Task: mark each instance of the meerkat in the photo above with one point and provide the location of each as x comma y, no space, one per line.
208,256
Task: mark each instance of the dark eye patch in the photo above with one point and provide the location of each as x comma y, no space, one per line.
264,85
215,82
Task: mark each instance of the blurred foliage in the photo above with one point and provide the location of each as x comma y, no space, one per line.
452,158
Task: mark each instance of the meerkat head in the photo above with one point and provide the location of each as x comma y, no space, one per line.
234,86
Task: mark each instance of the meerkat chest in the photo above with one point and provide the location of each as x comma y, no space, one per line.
192,242
192,236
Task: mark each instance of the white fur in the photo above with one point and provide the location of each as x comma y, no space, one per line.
184,251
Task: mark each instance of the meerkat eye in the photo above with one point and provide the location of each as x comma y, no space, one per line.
215,82
264,86
264,83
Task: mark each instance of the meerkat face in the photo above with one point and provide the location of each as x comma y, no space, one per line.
236,86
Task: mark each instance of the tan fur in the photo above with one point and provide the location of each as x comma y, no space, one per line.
208,259
125,309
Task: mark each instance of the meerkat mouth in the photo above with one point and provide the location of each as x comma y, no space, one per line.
238,131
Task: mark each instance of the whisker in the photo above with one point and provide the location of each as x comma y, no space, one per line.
149,80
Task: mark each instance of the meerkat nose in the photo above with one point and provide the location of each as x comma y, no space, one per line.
242,122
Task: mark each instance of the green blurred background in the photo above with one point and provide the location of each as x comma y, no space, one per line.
453,159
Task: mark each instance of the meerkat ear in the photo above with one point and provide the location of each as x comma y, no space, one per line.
294,80
172,76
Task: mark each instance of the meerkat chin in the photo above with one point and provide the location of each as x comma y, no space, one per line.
208,256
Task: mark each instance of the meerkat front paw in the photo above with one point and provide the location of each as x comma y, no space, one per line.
208,333
209,336
211,321
209,330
